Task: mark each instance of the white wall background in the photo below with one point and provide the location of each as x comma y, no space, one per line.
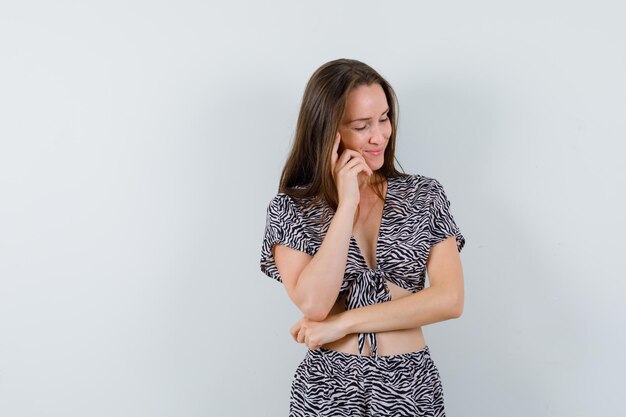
142,141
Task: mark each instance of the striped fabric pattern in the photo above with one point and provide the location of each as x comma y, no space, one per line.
416,216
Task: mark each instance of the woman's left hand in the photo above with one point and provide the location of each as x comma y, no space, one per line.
317,333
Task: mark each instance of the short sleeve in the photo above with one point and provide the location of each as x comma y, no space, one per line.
283,225
441,223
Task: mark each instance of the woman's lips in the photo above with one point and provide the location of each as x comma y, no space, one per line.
375,153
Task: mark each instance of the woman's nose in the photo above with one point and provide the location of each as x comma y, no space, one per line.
377,135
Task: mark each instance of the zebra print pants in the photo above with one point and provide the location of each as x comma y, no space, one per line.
332,383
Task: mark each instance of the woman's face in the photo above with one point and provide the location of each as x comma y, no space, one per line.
365,126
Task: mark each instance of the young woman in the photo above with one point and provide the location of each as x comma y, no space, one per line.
351,239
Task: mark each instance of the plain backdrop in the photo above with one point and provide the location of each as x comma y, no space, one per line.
141,142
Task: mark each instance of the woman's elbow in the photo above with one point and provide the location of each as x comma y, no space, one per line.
315,314
308,303
314,309
455,305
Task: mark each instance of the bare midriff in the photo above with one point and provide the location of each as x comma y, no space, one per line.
392,342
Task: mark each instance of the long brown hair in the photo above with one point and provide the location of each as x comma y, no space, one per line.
307,172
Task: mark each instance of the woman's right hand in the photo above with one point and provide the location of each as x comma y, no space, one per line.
345,170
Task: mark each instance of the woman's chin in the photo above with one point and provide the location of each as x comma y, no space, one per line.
375,166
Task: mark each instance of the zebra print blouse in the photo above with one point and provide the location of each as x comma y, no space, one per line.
416,215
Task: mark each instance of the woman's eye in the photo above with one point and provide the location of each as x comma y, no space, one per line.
360,128
384,120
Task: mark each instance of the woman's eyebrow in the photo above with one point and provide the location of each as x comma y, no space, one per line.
367,118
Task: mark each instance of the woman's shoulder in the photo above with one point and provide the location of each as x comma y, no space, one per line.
416,182
285,201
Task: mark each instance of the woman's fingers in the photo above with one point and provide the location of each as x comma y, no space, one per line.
310,343
346,169
301,335
360,168
294,330
352,163
358,161
348,156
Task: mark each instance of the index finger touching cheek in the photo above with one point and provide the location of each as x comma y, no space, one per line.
337,141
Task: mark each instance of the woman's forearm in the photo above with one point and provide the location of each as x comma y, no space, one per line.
430,305
320,281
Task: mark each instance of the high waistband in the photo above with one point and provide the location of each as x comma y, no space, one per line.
344,359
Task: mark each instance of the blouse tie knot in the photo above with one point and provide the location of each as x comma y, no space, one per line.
367,287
